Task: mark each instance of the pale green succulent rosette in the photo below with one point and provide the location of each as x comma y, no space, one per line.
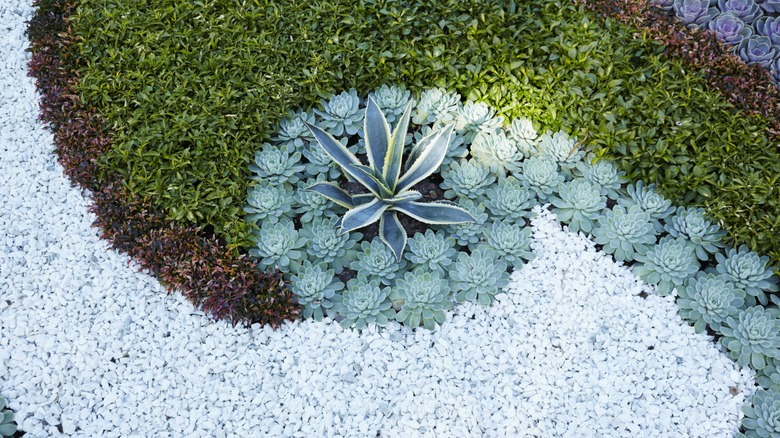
467,179
315,286
649,201
510,200
579,203
268,202
293,133
423,297
479,277
708,300
437,107
511,241
377,261
468,234
278,245
669,264
762,419
477,117
310,206
752,336
320,162
342,114
561,148
603,173
325,243
392,101
703,236
748,270
624,232
431,251
364,302
540,174
275,165
494,150
525,136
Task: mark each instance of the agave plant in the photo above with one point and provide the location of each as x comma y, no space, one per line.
579,203
511,241
762,416
752,336
605,174
431,251
770,28
708,300
510,200
310,205
376,260
275,165
562,148
497,152
541,175
392,100
268,202
624,232
278,245
292,132
7,420
315,286
480,276
670,263
649,201
476,117
757,50
703,236
364,302
523,133
745,268
422,297
456,150
341,113
389,190
468,233
438,107
326,244
694,13
729,29
466,179
746,10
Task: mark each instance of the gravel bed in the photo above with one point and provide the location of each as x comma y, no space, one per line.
89,347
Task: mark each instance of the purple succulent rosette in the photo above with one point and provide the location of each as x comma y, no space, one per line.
770,28
694,13
729,29
758,50
746,10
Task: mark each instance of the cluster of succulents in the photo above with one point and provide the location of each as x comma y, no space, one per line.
7,420
749,28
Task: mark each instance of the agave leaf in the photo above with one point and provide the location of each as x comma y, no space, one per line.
438,212
363,215
428,161
408,196
377,133
362,198
392,233
420,146
394,157
335,150
365,175
334,193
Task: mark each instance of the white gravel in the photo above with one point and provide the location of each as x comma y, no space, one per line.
92,347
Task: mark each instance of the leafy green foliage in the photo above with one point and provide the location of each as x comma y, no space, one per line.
762,419
479,277
624,232
510,200
541,175
752,336
268,202
708,300
325,243
376,260
315,286
579,203
511,241
668,264
422,297
466,179
364,302
278,245
7,421
748,270
703,236
431,251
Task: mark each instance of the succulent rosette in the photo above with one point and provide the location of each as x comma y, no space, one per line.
758,50
624,232
422,298
325,243
293,132
275,165
649,201
525,136
479,277
364,302
437,106
729,29
762,416
341,114
476,117
746,10
770,28
392,100
708,300
497,152
510,200
669,264
703,236
562,148
745,268
752,336
315,286
694,13
431,251
579,203
540,174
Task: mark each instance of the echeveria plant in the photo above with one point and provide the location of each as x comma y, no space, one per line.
480,276
694,13
476,117
752,336
341,113
770,6
579,203
745,268
273,164
770,28
389,189
703,236
312,205
624,232
497,152
319,162
278,245
7,420
437,106
376,260
729,29
466,179
762,416
757,50
423,297
364,302
468,234
268,202
431,251
746,10
392,100
668,264
315,286
541,175
325,243
708,300
511,241
648,200
523,133
562,148
510,200
293,133
603,173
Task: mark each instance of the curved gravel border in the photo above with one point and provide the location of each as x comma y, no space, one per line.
89,347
